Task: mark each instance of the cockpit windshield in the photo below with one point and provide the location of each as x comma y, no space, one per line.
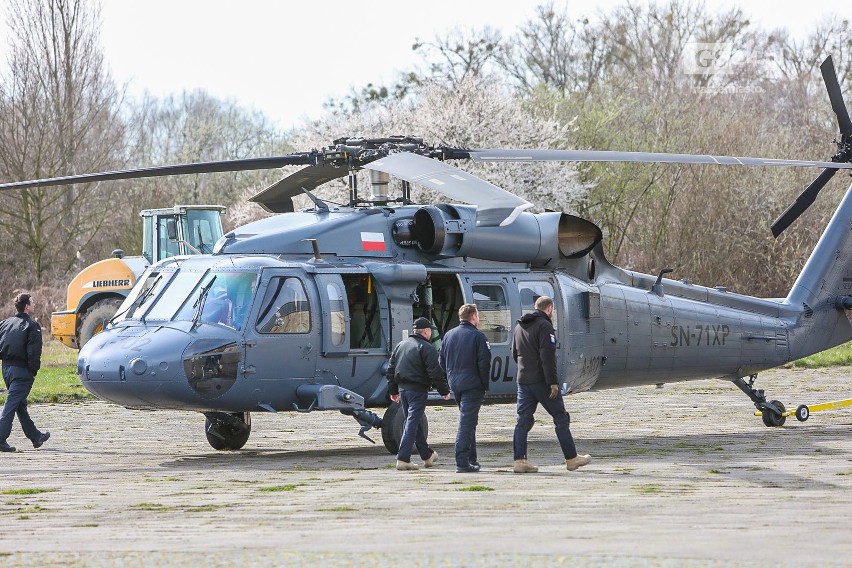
140,297
220,297
199,296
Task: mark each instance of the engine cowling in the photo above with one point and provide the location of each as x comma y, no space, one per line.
537,238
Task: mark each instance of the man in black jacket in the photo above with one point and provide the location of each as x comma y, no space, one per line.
413,370
534,350
20,350
466,357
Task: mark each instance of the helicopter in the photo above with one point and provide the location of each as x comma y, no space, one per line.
298,312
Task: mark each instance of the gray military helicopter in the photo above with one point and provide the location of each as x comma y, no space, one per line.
299,311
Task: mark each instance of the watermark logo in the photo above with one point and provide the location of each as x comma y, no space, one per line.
708,59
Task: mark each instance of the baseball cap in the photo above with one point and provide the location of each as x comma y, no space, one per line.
422,323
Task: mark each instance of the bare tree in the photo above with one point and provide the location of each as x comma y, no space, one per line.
59,115
191,127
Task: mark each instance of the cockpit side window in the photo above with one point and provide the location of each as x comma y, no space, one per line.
285,307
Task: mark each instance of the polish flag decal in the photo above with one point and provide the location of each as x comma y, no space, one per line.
373,241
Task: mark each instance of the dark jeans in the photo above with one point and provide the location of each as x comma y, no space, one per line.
529,397
413,405
469,402
19,383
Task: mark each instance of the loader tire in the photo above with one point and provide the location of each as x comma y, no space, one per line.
92,322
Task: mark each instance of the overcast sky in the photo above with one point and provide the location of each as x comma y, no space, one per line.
287,58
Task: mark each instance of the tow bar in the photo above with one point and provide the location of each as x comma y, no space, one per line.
803,411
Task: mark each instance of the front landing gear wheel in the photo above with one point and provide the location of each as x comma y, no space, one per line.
227,431
774,419
803,412
392,426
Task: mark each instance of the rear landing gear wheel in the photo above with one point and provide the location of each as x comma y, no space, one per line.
392,426
803,412
227,431
774,419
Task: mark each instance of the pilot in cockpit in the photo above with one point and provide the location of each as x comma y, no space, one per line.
218,308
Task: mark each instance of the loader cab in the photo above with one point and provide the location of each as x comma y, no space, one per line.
180,230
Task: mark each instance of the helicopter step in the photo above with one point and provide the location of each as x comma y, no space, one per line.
327,397
803,411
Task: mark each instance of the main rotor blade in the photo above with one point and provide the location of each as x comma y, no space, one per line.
177,169
829,75
494,206
500,155
805,199
278,197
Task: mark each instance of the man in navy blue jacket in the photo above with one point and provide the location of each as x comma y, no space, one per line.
20,350
466,357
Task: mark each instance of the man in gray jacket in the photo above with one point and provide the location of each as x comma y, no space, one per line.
20,350
534,350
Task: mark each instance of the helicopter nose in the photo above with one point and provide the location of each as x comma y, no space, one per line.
136,367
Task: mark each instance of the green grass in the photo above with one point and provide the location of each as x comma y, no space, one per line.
56,384
835,357
57,379
26,491
272,488
202,509
55,354
146,506
475,488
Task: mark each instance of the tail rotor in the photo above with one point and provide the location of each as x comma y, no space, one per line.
842,156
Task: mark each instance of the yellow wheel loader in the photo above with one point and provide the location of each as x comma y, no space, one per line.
96,292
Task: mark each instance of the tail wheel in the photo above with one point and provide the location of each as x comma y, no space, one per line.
774,419
393,424
803,412
95,318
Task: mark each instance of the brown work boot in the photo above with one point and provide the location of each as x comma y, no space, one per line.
523,466
406,466
578,461
433,459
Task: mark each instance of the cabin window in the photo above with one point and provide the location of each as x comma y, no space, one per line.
494,313
337,316
285,307
532,291
364,322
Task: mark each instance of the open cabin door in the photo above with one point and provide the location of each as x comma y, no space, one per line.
355,327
